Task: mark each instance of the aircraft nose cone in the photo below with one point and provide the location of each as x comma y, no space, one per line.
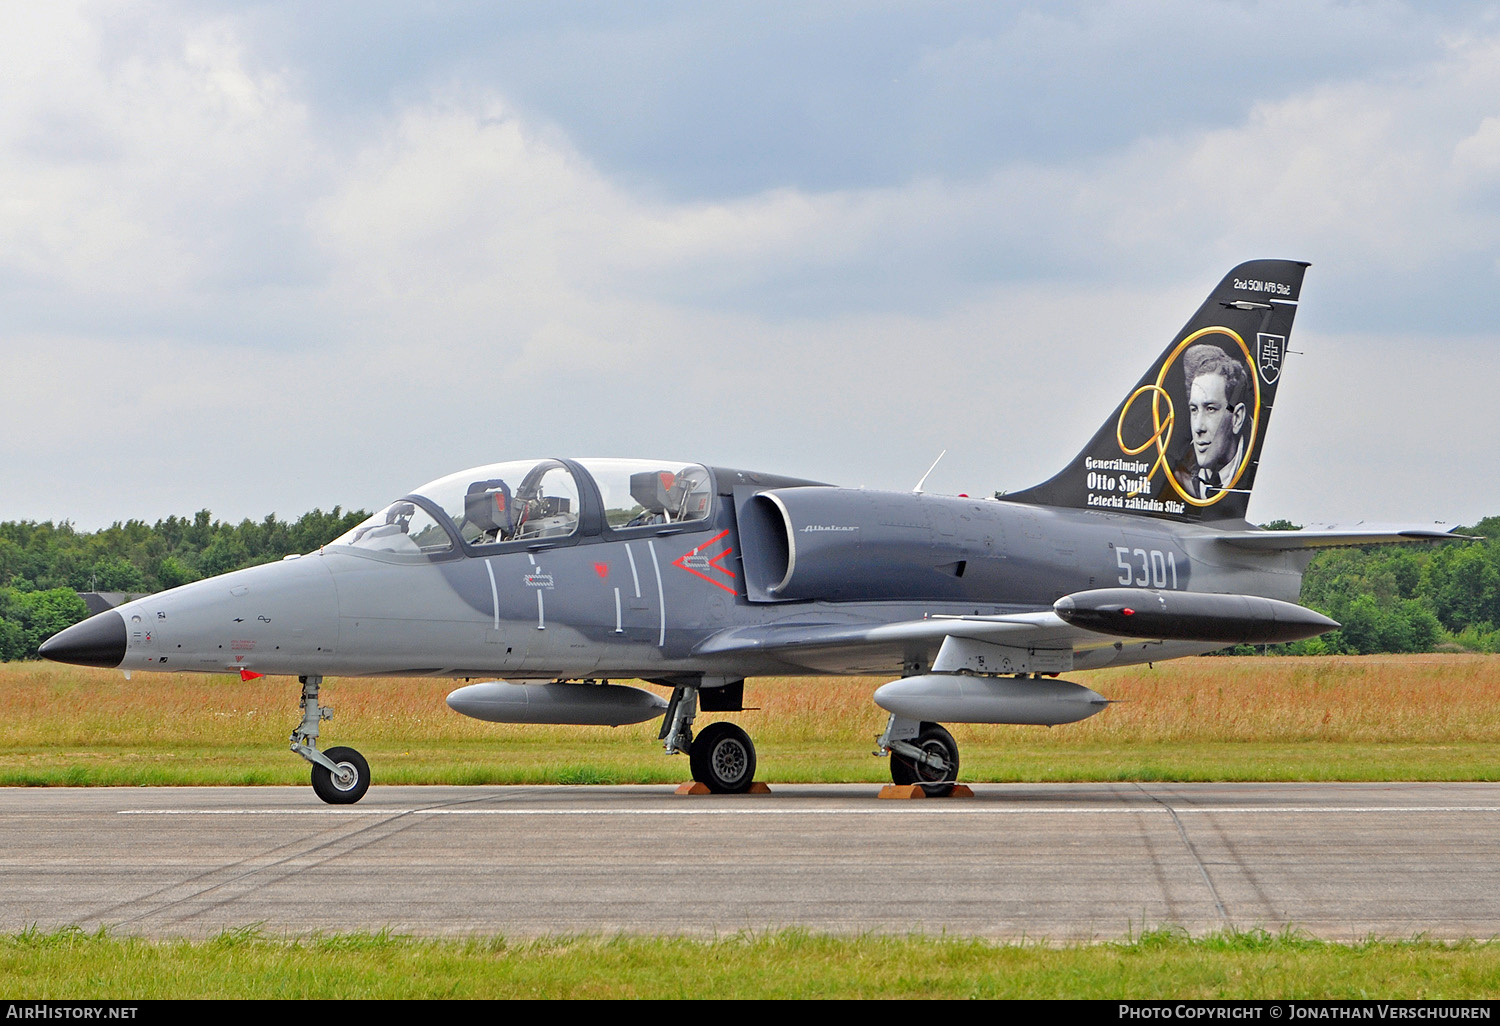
97,641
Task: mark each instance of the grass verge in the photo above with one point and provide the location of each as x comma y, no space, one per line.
1430,717
785,964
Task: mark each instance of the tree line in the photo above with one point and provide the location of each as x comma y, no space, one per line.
1415,598
1405,598
43,566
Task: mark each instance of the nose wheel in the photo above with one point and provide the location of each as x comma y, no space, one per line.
347,782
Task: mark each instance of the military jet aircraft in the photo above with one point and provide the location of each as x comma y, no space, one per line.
560,576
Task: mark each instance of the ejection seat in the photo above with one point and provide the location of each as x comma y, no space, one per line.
487,508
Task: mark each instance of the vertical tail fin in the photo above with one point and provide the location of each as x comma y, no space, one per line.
1185,442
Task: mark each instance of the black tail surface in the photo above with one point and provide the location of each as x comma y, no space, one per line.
1185,442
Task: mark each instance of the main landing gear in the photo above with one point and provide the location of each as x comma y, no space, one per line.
922,753
340,776
722,756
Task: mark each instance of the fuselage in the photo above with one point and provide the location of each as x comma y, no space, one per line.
577,571
589,583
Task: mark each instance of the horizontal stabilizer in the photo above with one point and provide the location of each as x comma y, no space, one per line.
1191,616
1334,537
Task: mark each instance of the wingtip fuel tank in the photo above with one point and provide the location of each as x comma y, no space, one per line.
1191,616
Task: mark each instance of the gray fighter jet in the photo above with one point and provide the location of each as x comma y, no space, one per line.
562,575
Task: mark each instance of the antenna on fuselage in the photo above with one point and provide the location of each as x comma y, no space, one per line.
930,469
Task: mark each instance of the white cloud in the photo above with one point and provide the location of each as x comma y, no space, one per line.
227,305
1384,174
142,178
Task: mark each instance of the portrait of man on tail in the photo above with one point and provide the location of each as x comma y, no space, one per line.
1218,390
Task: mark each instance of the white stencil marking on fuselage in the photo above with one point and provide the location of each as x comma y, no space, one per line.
494,594
619,626
635,577
661,598
541,616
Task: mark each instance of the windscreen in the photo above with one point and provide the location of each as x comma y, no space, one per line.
402,528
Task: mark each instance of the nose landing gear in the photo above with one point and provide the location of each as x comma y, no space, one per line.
340,776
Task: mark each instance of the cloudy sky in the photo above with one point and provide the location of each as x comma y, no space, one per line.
263,257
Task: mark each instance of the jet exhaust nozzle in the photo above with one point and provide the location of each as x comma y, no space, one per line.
1191,616
959,698
602,705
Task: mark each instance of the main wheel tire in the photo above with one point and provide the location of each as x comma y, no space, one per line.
723,757
935,783
345,790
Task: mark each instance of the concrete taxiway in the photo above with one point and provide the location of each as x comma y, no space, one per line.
1060,862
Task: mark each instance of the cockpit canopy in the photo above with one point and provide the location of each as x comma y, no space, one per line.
529,500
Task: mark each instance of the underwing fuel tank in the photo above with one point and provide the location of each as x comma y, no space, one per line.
959,698
599,705
1191,616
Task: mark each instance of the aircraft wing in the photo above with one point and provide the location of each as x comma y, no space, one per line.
1022,628
1334,537
1043,641
875,648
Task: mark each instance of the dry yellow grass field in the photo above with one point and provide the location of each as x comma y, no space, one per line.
1358,718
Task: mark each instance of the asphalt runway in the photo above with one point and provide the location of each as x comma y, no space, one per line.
1055,862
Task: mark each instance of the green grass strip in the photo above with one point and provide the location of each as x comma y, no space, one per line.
630,760
73,964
